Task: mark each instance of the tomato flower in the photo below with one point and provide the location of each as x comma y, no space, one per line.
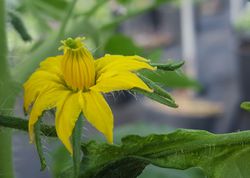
74,83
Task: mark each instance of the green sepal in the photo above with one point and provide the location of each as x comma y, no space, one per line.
158,94
37,131
76,142
156,97
170,66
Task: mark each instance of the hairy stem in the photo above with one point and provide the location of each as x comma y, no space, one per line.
22,124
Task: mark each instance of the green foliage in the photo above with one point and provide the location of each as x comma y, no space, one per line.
173,79
61,160
155,55
120,44
144,129
219,156
245,105
124,45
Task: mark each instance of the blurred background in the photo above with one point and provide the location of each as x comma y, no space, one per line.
211,36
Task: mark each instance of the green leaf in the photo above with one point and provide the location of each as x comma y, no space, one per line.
245,105
123,45
140,128
173,79
220,156
60,160
18,25
143,129
154,55
76,142
153,171
37,131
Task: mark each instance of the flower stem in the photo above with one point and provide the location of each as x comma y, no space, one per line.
6,168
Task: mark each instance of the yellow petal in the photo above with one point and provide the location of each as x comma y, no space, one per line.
98,113
121,63
52,65
115,81
45,101
67,114
42,79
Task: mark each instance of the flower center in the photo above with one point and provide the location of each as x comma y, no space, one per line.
78,64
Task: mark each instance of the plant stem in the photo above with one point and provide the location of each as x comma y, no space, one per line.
6,168
22,124
66,19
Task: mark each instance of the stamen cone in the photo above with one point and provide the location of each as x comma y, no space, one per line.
78,64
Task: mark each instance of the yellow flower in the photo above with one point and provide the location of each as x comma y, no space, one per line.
74,82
